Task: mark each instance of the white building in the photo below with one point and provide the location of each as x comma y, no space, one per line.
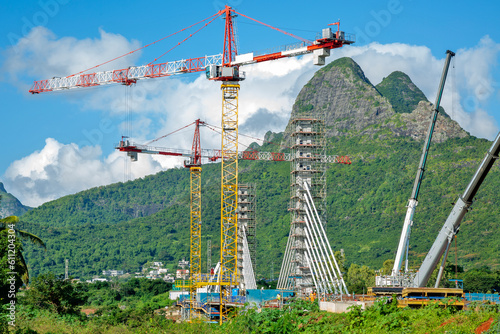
112,273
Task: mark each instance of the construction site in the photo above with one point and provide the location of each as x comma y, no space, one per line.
309,268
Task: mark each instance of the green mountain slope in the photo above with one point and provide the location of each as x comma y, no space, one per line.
401,92
121,226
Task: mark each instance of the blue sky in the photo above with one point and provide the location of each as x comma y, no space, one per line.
62,143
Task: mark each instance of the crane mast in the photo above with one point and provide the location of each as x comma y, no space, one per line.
413,201
194,165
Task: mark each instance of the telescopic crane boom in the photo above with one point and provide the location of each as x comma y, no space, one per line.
452,224
413,201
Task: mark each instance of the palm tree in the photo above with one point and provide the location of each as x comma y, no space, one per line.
18,267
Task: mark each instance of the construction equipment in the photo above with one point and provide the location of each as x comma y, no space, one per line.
396,279
452,224
194,165
414,292
213,155
225,68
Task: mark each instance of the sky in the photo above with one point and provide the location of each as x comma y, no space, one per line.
61,143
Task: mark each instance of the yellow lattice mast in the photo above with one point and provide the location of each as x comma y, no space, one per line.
195,259
194,165
229,193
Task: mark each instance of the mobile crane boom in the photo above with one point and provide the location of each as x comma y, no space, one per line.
413,201
452,224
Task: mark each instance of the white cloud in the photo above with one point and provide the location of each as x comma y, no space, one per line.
61,169
42,55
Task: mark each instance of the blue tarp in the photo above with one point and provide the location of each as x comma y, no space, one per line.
255,296
474,297
259,296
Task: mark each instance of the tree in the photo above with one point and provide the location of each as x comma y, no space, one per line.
55,294
387,267
11,255
359,278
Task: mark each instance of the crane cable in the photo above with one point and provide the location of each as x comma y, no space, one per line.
185,39
277,29
214,127
168,134
142,47
453,88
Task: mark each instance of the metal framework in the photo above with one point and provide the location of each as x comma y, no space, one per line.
215,154
308,165
229,193
209,255
195,259
127,76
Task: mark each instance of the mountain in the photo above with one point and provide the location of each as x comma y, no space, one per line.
9,205
352,106
401,92
123,225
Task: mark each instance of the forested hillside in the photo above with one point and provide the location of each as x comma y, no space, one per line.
121,226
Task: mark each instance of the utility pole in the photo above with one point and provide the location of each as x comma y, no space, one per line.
66,276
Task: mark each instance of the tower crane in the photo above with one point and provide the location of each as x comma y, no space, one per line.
224,68
213,155
194,165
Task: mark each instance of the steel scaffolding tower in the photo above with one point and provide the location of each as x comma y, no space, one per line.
308,147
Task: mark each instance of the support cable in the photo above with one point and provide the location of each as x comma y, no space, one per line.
328,243
321,245
142,47
311,246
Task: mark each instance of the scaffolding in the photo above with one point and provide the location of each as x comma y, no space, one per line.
307,136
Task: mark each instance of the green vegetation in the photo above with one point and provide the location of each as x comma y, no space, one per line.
52,303
348,66
401,92
298,316
11,256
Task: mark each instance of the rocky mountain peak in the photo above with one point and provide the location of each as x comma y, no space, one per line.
342,95
9,205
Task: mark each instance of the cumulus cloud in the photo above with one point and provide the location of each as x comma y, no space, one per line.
61,169
42,55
